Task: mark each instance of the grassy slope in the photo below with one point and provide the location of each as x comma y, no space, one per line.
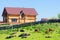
34,35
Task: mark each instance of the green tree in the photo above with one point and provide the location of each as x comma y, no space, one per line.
59,15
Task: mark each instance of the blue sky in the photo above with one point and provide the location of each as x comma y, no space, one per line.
44,8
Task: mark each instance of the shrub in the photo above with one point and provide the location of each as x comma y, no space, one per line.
21,30
51,29
24,35
9,37
36,30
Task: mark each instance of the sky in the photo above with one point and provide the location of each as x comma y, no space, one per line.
44,8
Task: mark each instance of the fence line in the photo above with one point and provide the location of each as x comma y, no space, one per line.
27,24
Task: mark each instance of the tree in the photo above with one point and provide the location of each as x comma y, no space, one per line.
59,15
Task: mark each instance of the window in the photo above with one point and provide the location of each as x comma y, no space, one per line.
14,20
22,14
4,19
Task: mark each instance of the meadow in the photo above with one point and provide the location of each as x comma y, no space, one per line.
45,31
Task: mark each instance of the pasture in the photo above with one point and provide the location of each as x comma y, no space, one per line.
45,31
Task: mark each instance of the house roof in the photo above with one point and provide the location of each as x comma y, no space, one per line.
27,11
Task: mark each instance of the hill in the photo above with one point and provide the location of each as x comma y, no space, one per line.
44,31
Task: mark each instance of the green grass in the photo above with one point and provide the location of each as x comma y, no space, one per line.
55,35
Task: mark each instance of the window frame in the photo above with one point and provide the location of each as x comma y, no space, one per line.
22,14
13,19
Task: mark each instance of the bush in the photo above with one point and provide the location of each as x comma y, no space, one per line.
21,30
51,29
37,30
9,37
24,35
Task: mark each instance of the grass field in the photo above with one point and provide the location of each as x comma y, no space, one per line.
34,35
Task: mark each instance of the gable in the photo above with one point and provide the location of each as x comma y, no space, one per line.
4,12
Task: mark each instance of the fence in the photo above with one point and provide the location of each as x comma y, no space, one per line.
19,25
27,24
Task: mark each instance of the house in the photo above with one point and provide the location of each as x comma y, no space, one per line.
44,19
13,15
